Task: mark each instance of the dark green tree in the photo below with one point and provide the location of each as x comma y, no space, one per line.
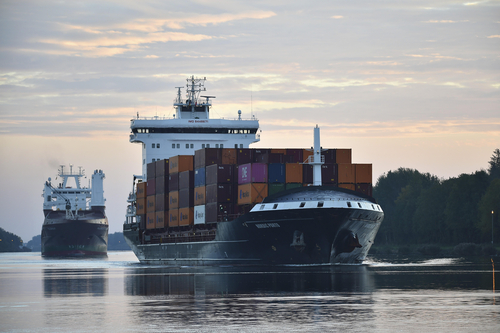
494,169
490,202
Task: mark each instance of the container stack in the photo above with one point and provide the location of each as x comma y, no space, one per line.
216,184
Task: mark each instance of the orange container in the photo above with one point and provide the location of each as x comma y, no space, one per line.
140,206
199,195
160,220
363,173
173,199
293,173
351,187
347,173
181,163
229,156
307,153
141,189
151,204
186,216
173,217
343,156
150,220
251,193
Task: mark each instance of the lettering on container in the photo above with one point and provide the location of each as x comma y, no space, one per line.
267,225
245,194
173,218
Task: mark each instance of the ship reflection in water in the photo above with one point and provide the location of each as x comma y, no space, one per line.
74,282
229,281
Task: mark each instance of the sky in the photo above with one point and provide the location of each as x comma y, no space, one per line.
412,84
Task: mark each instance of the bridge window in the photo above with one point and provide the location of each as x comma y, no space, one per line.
152,145
173,145
157,145
192,146
222,145
187,145
202,145
178,145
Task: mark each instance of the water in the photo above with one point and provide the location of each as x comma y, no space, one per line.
117,294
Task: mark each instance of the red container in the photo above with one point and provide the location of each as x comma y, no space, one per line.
306,153
151,187
180,163
229,156
351,187
207,156
220,173
252,173
162,185
161,168
296,155
329,174
218,212
363,173
365,189
151,170
343,156
272,158
220,193
140,205
186,197
186,180
346,173
173,182
278,151
244,155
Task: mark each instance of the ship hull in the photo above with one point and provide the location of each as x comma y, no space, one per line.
270,237
85,236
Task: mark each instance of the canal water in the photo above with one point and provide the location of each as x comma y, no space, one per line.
118,294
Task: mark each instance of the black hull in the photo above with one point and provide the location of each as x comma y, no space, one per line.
85,236
269,237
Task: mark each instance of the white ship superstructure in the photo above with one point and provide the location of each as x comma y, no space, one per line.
190,128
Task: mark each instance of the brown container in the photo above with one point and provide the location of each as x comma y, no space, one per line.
186,216
160,219
306,153
293,172
220,193
151,187
186,197
229,156
173,217
180,163
365,189
173,200
363,173
151,204
161,202
244,155
207,156
162,185
150,220
351,187
186,180
343,156
329,174
218,212
151,170
347,173
141,190
173,182
141,204
296,155
161,167
199,195
220,173
251,193
278,151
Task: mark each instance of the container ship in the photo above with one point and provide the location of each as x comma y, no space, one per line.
205,198
75,222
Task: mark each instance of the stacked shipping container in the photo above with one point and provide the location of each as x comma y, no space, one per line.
216,184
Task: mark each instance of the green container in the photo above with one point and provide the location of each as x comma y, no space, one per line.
275,188
293,185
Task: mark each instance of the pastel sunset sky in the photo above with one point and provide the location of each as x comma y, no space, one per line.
411,84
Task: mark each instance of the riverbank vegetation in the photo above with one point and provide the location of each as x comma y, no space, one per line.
421,209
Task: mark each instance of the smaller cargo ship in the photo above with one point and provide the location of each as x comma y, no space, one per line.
75,222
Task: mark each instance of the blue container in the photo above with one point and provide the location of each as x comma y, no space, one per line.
276,173
199,177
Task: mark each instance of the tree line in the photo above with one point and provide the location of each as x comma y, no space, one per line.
420,208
